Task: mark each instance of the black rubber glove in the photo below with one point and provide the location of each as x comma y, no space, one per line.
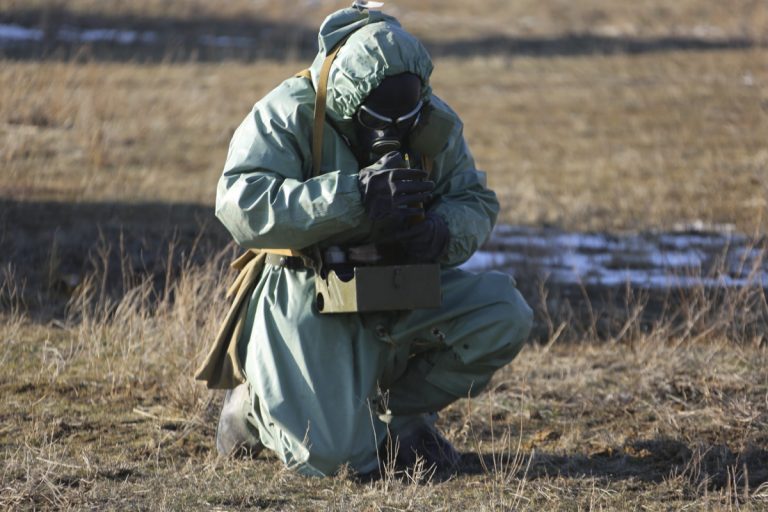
425,241
391,191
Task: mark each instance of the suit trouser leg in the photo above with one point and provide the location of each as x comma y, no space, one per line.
315,379
481,327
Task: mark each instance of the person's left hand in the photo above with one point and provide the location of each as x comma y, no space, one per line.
426,240
392,192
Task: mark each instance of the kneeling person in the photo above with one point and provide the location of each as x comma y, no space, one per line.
357,162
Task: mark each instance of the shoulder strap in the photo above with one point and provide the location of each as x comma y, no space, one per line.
317,137
304,73
320,103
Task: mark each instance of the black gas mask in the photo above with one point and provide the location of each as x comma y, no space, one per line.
387,116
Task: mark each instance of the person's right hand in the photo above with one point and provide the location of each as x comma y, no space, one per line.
391,191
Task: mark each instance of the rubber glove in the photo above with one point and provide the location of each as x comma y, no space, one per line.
425,241
391,191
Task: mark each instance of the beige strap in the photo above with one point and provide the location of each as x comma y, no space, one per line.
304,73
320,98
242,260
222,368
282,252
245,258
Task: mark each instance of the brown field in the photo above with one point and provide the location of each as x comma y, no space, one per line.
604,142
112,268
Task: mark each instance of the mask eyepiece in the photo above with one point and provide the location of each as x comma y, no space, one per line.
372,120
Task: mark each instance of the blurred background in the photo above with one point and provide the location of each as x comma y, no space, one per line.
627,142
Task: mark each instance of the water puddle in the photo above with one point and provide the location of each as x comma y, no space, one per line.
593,283
692,257
152,39
38,34
17,35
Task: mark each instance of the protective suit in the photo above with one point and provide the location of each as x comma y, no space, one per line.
324,388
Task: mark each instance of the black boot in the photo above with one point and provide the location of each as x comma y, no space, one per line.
424,443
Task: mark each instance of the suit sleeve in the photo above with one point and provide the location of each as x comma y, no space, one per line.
263,198
462,199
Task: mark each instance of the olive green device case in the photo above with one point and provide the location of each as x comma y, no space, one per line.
380,288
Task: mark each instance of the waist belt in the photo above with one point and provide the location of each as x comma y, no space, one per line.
289,262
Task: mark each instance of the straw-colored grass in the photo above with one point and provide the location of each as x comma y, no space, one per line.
98,406
602,142
101,411
455,19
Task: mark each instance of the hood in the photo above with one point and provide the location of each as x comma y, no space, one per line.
377,47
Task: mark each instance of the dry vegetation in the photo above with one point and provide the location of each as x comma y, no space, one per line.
593,142
438,19
99,409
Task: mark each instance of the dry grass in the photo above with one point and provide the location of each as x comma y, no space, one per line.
120,132
594,142
99,409
621,142
454,19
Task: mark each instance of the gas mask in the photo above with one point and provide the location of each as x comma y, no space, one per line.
387,116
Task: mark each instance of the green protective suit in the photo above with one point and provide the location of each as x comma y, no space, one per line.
318,383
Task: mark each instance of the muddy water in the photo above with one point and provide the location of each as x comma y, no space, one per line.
690,257
59,33
576,279
66,35
598,283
